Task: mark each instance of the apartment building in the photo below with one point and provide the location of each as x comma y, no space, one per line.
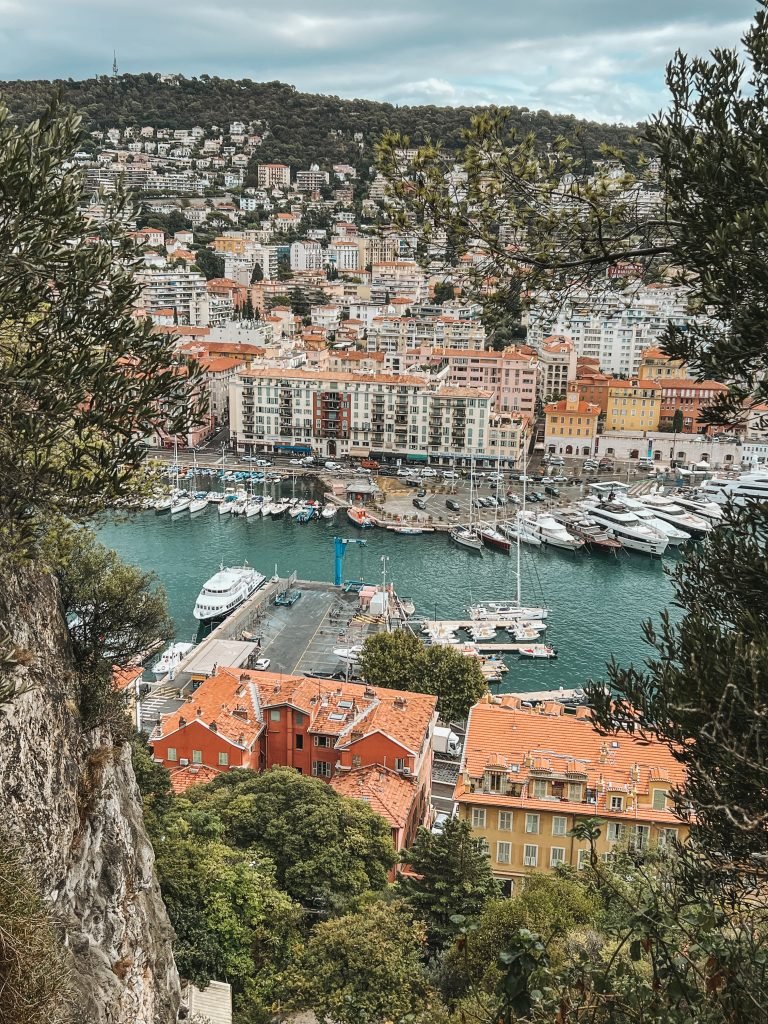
511,375
527,777
344,255
329,730
633,405
655,365
273,176
571,424
418,335
398,278
556,366
183,291
386,416
307,256
312,180
691,398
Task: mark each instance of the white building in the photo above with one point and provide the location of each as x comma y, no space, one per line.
183,291
311,180
388,417
273,175
344,255
307,256
557,366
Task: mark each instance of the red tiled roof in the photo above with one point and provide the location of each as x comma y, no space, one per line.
386,791
192,775
227,703
122,678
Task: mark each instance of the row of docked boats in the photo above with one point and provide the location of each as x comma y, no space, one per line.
241,503
648,524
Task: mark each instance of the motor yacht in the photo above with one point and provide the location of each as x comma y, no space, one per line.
225,590
634,534
549,531
329,510
170,660
517,528
279,508
744,487
198,504
703,507
671,512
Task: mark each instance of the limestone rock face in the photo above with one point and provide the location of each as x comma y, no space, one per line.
68,798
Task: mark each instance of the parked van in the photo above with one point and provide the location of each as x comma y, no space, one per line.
369,464
419,503
453,505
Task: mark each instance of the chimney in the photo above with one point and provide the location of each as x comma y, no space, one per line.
369,692
213,727
199,712
400,703
182,722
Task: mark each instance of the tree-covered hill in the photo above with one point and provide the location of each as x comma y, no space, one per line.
299,127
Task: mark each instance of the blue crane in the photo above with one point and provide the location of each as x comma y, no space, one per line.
340,544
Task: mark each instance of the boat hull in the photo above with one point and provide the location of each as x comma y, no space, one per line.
496,542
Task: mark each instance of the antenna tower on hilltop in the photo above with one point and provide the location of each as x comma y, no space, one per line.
115,71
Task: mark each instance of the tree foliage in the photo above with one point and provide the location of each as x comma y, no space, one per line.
450,878
327,849
83,381
209,263
400,661
364,968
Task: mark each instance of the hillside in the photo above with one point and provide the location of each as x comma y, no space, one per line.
299,127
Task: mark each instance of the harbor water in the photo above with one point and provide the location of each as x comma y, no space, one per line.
597,602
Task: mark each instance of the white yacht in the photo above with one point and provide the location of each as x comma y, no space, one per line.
670,511
466,537
170,660
634,534
266,508
329,510
744,487
279,508
496,610
549,531
674,534
164,505
519,529
181,503
197,505
253,507
225,590
704,508
239,506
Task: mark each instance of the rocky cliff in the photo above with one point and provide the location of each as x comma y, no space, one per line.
68,797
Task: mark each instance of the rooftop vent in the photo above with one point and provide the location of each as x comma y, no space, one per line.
400,703
240,712
213,727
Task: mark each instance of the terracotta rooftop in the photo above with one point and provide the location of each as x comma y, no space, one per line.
218,364
518,740
387,792
122,678
192,775
227,703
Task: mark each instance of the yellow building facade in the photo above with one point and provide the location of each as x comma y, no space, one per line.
529,776
655,365
633,405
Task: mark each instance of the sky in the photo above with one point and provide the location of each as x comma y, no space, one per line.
599,59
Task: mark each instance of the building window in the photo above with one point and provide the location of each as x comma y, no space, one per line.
556,856
530,856
298,719
223,760
197,757
659,800
399,764
574,791
274,715
540,788
617,803
667,836
582,859
532,823
299,742
505,821
171,755
503,853
322,769
559,825
493,782
478,817
642,834
613,832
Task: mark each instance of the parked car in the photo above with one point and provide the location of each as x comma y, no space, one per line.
333,465
419,503
555,460
308,461
402,471
495,476
428,471
262,664
524,478
421,493
487,502
553,492
411,481
535,496
513,499
452,504
295,462
387,472
559,478
263,462
449,474
477,503
369,464
438,825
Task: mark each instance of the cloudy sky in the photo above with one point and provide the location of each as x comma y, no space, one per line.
601,59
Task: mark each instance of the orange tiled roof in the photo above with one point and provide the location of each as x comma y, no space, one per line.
192,775
122,678
387,792
582,409
504,736
227,703
220,363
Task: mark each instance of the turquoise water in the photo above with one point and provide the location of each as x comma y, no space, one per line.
597,602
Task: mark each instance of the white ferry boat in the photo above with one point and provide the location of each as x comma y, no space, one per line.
170,660
225,590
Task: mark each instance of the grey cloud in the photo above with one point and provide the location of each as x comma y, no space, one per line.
594,58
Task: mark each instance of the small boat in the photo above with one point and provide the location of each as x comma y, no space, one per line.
538,651
295,511
493,539
410,531
278,509
170,660
350,654
198,505
253,508
215,497
329,511
467,538
306,513
266,508
163,505
225,507
517,528
359,517
180,504
239,507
